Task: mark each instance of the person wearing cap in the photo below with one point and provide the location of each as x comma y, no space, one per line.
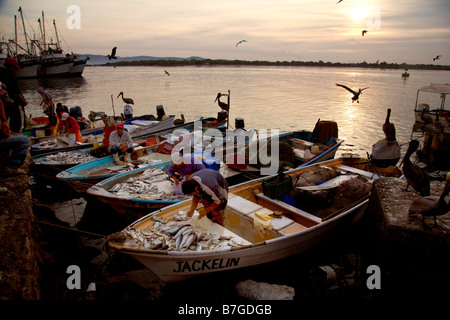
72,128
120,142
14,109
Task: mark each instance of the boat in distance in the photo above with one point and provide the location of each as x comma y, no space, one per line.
246,239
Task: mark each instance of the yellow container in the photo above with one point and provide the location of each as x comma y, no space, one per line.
315,149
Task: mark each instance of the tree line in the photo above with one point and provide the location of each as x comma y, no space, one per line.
221,62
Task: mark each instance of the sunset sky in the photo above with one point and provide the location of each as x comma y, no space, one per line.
399,31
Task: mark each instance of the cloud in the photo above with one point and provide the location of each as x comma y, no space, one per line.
275,30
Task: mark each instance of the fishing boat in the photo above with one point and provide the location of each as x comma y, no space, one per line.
296,148
52,163
137,203
78,65
431,105
158,148
92,136
260,225
405,74
81,177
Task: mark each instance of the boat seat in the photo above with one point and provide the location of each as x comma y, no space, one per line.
302,217
242,205
240,215
301,144
292,228
363,173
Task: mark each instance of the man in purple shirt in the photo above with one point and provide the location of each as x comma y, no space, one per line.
181,171
211,189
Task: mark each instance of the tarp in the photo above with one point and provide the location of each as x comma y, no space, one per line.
437,88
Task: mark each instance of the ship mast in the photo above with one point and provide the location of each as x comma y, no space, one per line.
24,30
15,32
43,31
58,46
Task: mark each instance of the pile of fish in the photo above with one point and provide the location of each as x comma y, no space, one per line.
152,184
69,157
178,235
49,144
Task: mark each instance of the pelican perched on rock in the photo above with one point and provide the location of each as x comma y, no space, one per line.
432,206
356,94
415,175
126,100
388,127
222,105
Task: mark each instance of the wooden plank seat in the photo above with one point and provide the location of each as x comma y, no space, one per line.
240,215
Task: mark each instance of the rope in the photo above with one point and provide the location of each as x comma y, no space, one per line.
72,229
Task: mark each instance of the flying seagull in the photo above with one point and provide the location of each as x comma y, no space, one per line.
437,58
356,94
167,73
240,42
364,32
113,54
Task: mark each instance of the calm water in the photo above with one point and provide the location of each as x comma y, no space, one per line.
284,98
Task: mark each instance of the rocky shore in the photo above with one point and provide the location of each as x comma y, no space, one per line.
38,246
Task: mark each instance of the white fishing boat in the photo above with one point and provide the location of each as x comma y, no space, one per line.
39,58
258,226
431,105
78,65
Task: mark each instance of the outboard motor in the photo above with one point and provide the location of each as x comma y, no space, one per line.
160,112
76,112
239,123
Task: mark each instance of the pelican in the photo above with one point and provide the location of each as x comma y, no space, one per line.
432,205
167,73
415,175
222,105
240,42
389,128
126,100
113,54
426,117
364,32
437,58
355,94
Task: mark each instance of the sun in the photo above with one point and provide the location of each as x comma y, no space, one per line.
359,14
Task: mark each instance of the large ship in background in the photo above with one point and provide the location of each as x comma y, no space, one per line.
39,58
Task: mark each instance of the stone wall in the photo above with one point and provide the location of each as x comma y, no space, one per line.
20,254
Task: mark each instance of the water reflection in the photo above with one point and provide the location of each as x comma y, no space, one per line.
60,83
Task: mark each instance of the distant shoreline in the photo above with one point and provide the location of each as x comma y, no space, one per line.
210,62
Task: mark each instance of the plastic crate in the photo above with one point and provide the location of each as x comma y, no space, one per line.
278,186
